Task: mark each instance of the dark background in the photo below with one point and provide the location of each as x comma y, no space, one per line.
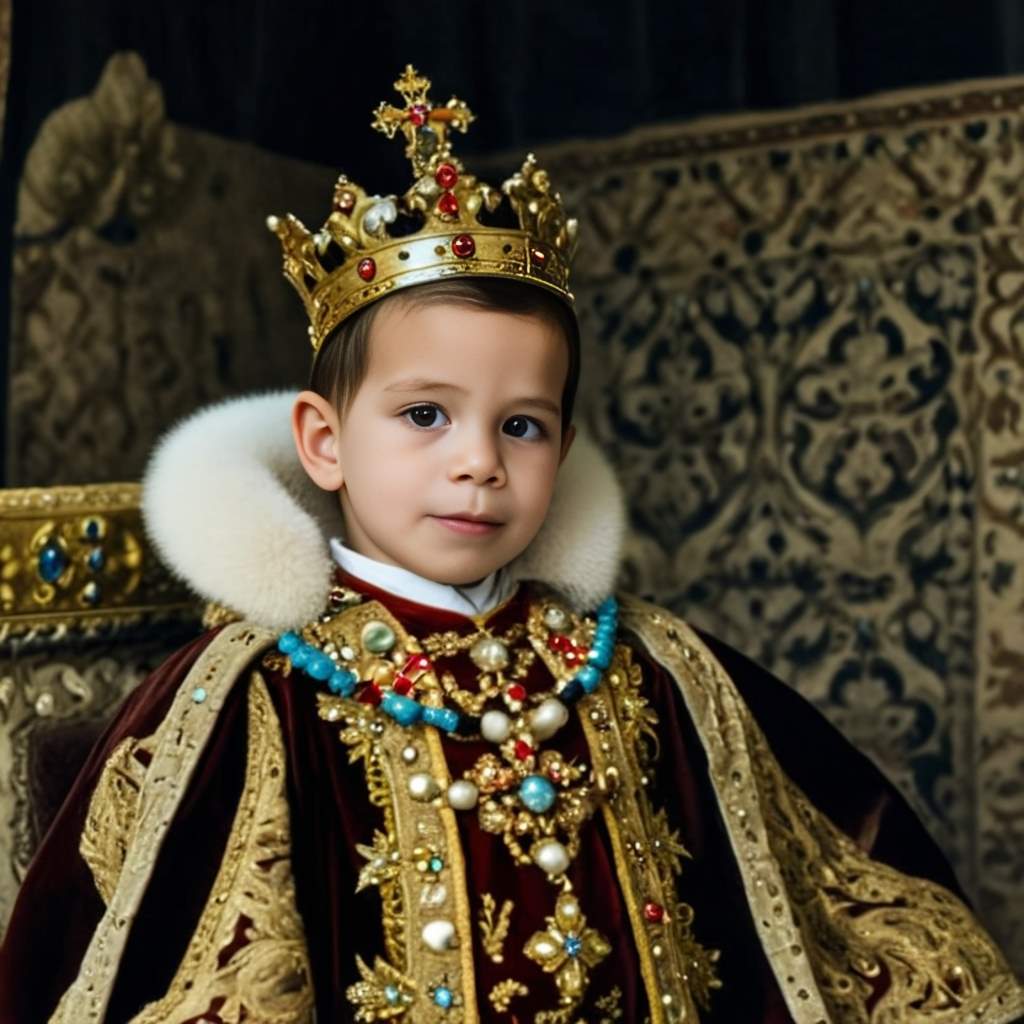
301,77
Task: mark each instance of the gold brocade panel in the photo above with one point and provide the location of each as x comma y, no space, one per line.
803,356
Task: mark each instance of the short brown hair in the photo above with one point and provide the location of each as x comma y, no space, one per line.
344,358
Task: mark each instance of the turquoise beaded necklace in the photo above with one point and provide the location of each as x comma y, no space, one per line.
407,711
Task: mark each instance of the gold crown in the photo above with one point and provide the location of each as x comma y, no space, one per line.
354,259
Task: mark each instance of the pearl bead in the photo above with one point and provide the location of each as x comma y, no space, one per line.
555,618
423,786
548,718
409,754
463,795
489,654
495,726
439,935
551,856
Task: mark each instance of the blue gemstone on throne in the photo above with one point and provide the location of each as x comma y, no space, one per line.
52,562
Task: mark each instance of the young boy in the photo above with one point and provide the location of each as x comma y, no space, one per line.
447,776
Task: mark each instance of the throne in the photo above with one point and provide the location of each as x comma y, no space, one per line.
805,362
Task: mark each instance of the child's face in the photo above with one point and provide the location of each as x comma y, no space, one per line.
448,453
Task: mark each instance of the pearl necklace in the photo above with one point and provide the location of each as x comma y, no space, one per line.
546,719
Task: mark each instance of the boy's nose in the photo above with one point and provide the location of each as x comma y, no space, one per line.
478,461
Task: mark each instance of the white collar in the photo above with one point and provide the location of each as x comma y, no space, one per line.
469,601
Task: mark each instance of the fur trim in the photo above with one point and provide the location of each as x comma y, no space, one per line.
249,530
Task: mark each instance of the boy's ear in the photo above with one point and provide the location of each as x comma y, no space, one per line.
315,427
567,439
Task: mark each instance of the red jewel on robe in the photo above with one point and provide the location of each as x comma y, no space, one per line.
402,685
418,663
654,912
516,692
523,750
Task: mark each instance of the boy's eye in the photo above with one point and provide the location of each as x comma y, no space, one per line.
524,427
425,416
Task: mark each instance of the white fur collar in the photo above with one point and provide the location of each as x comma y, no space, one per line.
231,511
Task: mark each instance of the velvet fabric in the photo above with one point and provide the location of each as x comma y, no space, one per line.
58,905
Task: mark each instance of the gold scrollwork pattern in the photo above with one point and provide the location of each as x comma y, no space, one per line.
834,923
267,977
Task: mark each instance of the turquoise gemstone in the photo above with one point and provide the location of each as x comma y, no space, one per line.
392,994
52,562
378,637
403,710
435,864
300,656
589,676
198,695
443,997
441,718
537,793
319,666
288,643
572,945
342,682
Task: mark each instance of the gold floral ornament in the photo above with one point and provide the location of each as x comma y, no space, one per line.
568,949
384,993
372,245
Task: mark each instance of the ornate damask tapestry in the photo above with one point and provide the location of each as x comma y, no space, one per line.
807,364
804,354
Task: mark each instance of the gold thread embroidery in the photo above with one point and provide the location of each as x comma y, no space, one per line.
494,931
178,745
266,976
383,993
504,992
831,920
610,1006
113,809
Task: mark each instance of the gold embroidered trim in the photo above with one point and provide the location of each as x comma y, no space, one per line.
264,976
113,809
178,745
494,931
416,857
830,919
678,973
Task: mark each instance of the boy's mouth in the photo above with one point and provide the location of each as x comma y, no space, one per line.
468,523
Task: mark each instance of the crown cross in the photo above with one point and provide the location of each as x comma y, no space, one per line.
424,126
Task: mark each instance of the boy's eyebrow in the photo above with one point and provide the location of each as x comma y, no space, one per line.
425,384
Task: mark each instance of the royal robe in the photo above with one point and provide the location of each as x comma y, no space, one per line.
743,863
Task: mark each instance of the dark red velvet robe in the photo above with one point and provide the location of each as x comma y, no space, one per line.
58,906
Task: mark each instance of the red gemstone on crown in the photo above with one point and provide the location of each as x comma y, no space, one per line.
523,750
446,176
418,114
539,256
402,685
463,246
448,205
370,694
560,642
367,269
516,692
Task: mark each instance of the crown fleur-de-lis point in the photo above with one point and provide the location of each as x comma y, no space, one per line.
424,125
